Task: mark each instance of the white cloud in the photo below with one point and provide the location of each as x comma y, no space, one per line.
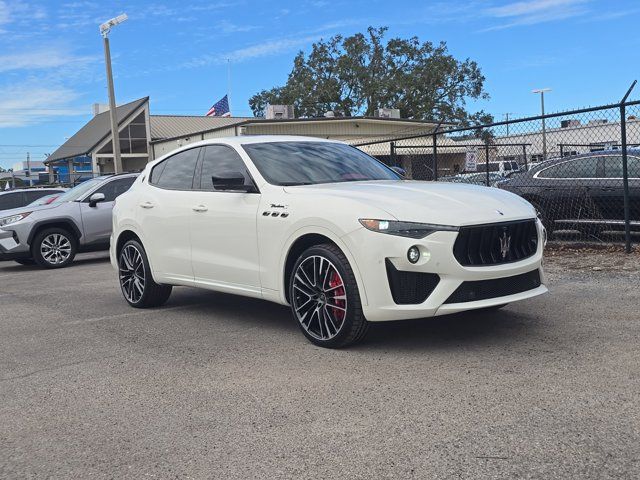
28,104
258,50
46,58
531,12
225,26
5,14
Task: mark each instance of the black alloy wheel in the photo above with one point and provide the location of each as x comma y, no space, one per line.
324,298
137,285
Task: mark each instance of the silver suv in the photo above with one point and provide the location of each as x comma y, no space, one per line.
78,221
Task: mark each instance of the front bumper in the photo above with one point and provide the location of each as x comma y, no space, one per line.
373,250
11,245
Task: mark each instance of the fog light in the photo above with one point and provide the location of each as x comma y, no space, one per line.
413,254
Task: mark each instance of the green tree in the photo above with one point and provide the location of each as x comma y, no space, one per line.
358,74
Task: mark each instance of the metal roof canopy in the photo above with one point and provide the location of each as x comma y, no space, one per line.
94,132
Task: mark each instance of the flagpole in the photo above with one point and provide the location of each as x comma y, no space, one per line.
229,84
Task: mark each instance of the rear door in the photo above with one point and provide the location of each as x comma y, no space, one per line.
164,211
569,188
612,188
96,220
223,225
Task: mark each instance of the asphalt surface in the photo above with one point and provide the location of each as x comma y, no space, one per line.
217,386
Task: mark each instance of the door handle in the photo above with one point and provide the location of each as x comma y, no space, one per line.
146,205
200,208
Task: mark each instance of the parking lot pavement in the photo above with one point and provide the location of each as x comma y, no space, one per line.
216,386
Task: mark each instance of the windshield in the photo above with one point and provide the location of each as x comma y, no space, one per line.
78,191
307,163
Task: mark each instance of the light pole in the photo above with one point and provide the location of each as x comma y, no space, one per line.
105,28
544,127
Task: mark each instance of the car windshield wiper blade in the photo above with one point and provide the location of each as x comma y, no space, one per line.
293,184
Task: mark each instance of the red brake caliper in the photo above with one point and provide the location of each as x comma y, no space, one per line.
334,281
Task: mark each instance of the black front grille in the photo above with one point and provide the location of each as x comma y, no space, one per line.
410,287
496,243
498,287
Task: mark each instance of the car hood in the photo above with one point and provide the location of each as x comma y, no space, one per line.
38,208
430,202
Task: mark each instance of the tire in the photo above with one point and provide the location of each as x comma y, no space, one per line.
326,305
54,248
136,282
25,261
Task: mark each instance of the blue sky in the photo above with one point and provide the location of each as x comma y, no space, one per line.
52,70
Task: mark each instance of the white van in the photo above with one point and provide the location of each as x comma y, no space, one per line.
502,167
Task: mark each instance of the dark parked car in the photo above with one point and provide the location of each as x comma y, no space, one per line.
582,192
24,196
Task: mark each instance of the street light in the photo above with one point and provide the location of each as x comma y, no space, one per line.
105,28
541,91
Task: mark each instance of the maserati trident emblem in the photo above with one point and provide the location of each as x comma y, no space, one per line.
505,244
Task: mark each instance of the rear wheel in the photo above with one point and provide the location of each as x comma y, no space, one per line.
54,248
136,282
324,298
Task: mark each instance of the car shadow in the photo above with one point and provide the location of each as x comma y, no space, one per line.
82,259
468,328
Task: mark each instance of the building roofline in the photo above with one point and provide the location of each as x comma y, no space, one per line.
261,120
142,102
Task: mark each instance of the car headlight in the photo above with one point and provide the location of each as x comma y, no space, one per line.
13,218
405,229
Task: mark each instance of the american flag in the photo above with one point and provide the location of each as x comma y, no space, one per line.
220,108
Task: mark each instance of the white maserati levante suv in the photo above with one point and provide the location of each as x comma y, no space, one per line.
325,228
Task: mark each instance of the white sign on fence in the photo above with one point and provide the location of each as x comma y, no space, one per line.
471,160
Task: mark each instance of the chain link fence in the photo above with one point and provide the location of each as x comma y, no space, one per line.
580,169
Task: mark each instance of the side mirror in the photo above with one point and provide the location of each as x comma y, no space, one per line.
95,199
400,171
233,181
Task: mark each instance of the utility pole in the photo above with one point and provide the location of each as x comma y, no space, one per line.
28,174
105,28
541,91
506,118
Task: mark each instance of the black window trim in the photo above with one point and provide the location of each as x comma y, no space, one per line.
195,170
201,162
86,198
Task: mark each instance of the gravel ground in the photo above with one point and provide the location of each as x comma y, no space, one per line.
216,386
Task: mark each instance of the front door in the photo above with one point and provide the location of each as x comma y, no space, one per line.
96,220
224,245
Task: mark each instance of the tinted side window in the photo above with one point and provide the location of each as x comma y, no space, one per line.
115,188
220,161
178,170
11,200
579,168
613,167
33,195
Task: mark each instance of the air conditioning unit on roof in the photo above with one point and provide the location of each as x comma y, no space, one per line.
388,113
275,112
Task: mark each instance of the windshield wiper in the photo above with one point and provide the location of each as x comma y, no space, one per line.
294,184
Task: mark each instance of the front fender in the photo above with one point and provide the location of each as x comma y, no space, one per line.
335,238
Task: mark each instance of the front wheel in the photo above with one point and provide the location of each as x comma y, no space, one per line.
324,298
54,248
136,282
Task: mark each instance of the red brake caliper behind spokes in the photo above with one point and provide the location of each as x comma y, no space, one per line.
334,281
